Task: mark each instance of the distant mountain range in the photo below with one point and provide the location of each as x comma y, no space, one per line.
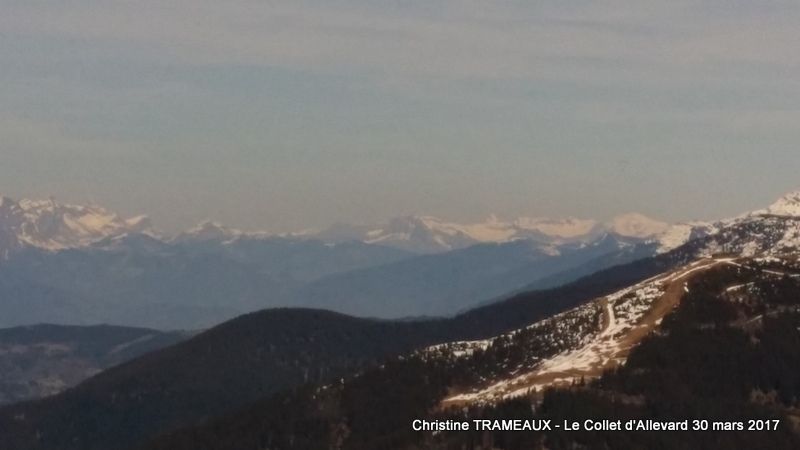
72,264
427,234
54,226
78,265
50,225
443,284
136,280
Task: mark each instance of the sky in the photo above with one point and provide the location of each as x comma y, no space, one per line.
298,114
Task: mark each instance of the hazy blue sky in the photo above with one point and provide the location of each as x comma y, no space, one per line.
293,114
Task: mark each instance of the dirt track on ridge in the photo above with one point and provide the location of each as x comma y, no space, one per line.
608,356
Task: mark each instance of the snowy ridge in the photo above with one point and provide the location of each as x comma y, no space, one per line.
679,234
625,318
427,234
774,229
571,329
754,235
788,205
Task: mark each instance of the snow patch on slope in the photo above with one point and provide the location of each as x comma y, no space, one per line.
681,233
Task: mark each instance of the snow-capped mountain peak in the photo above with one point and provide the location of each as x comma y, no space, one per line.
568,228
420,234
209,230
788,205
637,225
140,224
51,225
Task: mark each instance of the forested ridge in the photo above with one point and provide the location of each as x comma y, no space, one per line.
721,355
260,354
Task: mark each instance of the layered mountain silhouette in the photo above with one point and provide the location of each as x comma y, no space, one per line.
713,334
326,379
260,354
726,351
83,265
